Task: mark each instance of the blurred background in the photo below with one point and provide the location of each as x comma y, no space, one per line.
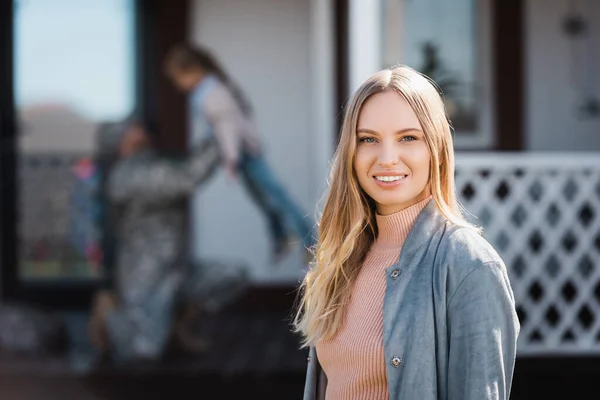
521,80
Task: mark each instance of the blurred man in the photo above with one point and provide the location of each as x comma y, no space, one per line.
154,277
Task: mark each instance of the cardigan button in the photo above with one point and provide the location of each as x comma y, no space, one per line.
395,274
396,361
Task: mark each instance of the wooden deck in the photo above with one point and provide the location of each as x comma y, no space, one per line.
253,355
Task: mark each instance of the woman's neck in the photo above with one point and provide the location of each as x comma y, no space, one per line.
393,228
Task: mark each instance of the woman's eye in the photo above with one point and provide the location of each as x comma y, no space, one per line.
367,140
408,138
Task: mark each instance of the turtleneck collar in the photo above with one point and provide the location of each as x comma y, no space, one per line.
394,228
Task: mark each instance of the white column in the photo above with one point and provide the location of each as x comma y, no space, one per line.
366,30
322,94
392,31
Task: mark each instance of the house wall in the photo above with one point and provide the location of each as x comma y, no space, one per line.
555,73
280,54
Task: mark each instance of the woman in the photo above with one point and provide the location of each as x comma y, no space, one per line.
219,110
405,299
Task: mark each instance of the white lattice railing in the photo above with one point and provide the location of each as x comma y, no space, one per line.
542,213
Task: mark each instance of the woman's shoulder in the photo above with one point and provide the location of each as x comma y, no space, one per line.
464,249
468,257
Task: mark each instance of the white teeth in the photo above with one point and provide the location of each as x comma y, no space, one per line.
389,178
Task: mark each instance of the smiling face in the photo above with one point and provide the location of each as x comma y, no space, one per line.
392,160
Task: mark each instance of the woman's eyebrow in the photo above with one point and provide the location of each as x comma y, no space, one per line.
405,130
367,130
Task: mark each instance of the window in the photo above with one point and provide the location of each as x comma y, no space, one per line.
449,42
74,64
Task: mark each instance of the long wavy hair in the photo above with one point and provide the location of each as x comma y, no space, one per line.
347,227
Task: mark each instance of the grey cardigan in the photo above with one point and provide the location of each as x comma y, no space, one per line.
449,322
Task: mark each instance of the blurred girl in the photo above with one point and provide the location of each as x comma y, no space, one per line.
218,109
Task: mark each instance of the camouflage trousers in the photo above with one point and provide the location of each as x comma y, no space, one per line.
140,327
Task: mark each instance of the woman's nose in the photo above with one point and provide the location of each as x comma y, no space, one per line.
388,155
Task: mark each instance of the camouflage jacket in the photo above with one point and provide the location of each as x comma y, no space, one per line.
148,195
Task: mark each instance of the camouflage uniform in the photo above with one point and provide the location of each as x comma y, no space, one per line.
153,271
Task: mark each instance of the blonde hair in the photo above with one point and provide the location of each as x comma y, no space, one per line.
347,227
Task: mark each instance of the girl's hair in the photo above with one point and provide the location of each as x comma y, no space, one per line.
348,227
186,58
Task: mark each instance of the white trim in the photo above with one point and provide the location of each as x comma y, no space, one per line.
366,40
322,50
392,49
557,160
542,351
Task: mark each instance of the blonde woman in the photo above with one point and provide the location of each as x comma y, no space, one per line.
405,299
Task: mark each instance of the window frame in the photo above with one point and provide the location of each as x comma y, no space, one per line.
482,138
158,24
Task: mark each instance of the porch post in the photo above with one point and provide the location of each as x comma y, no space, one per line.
322,92
365,44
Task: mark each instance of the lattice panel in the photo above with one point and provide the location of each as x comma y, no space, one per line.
542,216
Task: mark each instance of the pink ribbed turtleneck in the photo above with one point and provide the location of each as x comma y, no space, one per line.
353,359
